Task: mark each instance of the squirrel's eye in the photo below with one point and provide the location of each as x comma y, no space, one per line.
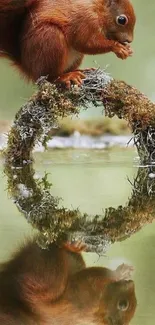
123,305
121,20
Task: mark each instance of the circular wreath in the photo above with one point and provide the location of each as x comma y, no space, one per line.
33,197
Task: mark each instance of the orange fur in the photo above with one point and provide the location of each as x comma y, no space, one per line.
44,37
54,287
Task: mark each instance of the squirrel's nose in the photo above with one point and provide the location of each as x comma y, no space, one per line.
129,39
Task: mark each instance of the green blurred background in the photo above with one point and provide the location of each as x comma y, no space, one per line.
138,70
93,180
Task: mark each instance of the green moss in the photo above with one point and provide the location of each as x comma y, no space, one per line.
128,103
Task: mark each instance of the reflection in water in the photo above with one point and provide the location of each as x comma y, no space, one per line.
55,287
41,209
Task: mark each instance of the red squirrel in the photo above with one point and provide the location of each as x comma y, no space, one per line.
54,287
51,37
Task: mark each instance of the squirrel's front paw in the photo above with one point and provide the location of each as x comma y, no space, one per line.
75,246
74,77
124,272
122,51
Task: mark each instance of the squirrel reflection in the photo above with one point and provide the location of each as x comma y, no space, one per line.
54,287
